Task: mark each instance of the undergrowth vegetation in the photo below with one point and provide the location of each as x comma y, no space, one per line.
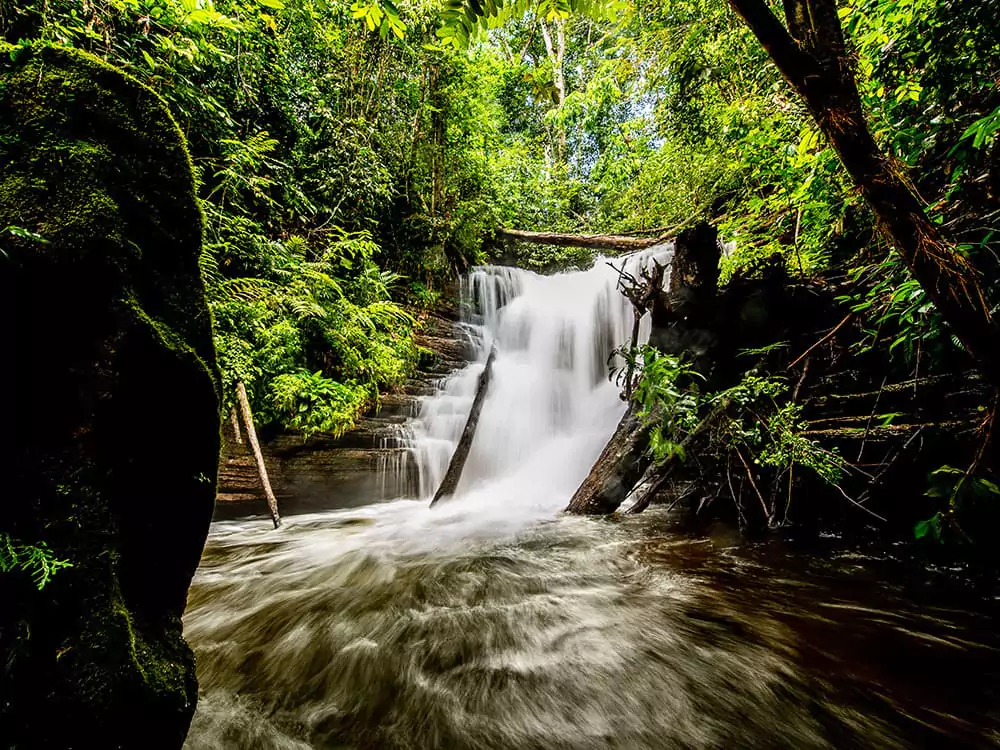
753,423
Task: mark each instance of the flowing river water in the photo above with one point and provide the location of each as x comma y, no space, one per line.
493,621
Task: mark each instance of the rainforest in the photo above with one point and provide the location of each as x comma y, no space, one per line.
500,374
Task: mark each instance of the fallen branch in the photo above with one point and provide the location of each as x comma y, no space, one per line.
826,338
272,501
655,476
767,513
458,459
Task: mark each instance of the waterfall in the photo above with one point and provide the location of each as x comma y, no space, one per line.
551,407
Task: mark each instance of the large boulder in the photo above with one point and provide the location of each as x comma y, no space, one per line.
111,438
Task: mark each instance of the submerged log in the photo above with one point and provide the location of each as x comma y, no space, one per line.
458,459
594,241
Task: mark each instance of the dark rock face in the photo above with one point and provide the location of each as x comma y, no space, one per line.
109,456
683,319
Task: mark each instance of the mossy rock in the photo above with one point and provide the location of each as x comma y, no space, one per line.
110,454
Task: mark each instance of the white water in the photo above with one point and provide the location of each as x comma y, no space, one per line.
550,407
489,623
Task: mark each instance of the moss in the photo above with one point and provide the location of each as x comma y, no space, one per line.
115,390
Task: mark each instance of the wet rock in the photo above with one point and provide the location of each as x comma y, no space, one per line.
110,454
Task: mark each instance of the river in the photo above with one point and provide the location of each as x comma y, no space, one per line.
495,621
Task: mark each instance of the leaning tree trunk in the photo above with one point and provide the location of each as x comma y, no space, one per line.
234,419
621,464
812,56
457,464
272,501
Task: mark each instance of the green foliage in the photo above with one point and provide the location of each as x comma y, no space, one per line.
463,18
667,395
311,403
897,311
966,495
315,335
36,560
757,417
423,297
771,427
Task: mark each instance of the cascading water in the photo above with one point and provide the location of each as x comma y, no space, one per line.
494,622
550,407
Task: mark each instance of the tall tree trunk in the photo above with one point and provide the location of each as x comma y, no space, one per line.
556,49
235,421
458,459
812,56
272,501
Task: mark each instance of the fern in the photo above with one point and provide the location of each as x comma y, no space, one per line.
36,560
246,289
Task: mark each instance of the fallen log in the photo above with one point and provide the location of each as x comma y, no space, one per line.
458,459
593,241
656,476
622,462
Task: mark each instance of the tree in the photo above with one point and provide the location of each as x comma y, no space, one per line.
812,56
555,47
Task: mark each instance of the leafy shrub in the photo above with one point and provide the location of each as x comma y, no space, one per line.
312,403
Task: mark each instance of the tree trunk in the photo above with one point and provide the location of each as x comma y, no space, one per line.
458,459
811,55
557,52
272,501
235,421
615,242
621,464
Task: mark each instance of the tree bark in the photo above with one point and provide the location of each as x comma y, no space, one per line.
595,241
556,50
235,421
811,54
272,501
458,459
621,464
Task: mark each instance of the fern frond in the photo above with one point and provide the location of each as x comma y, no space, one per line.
387,313
246,288
305,307
35,559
